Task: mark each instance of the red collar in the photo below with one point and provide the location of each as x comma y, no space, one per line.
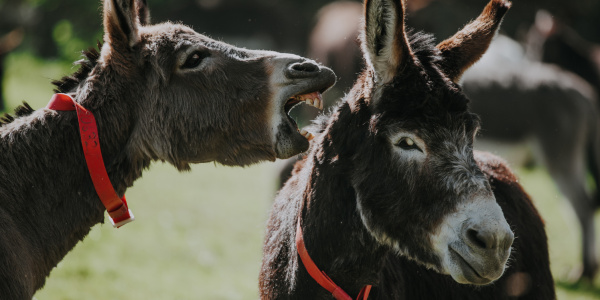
116,206
319,276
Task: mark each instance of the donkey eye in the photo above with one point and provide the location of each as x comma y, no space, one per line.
408,144
194,59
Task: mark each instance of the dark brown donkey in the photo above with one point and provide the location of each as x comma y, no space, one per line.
392,170
160,92
521,103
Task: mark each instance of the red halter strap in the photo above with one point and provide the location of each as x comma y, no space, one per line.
319,276
116,207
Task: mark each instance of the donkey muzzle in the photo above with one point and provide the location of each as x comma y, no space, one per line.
295,80
477,242
483,250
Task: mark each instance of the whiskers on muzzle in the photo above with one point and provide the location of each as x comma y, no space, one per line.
474,243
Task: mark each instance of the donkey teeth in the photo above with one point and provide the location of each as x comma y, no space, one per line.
319,103
320,98
309,136
316,102
313,99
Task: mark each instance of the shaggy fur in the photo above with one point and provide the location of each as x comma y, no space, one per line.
160,92
86,65
21,110
528,275
363,196
536,96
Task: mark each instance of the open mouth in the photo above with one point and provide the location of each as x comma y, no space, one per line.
314,99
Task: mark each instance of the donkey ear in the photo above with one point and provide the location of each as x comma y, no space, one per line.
468,45
121,23
384,40
143,12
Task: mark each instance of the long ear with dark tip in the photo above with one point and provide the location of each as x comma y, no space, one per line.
121,23
384,40
468,45
142,12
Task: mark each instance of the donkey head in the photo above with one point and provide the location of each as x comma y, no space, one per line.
193,99
419,189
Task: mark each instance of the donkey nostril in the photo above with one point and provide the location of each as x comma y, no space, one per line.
305,67
480,240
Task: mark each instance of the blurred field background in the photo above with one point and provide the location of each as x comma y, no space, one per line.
198,235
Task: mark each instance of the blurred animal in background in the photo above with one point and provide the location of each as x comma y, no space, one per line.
333,41
528,101
391,176
158,92
524,102
441,16
551,41
540,93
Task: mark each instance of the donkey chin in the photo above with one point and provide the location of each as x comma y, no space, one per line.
478,252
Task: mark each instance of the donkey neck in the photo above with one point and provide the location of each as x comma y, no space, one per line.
51,201
335,236
117,115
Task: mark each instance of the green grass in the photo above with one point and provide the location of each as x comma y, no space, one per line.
563,235
28,79
198,235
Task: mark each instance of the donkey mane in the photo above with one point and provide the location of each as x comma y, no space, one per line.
86,65
21,110
64,85
423,47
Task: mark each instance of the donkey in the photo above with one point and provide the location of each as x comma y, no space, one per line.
391,171
511,93
158,92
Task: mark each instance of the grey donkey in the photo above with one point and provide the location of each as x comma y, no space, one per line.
159,92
